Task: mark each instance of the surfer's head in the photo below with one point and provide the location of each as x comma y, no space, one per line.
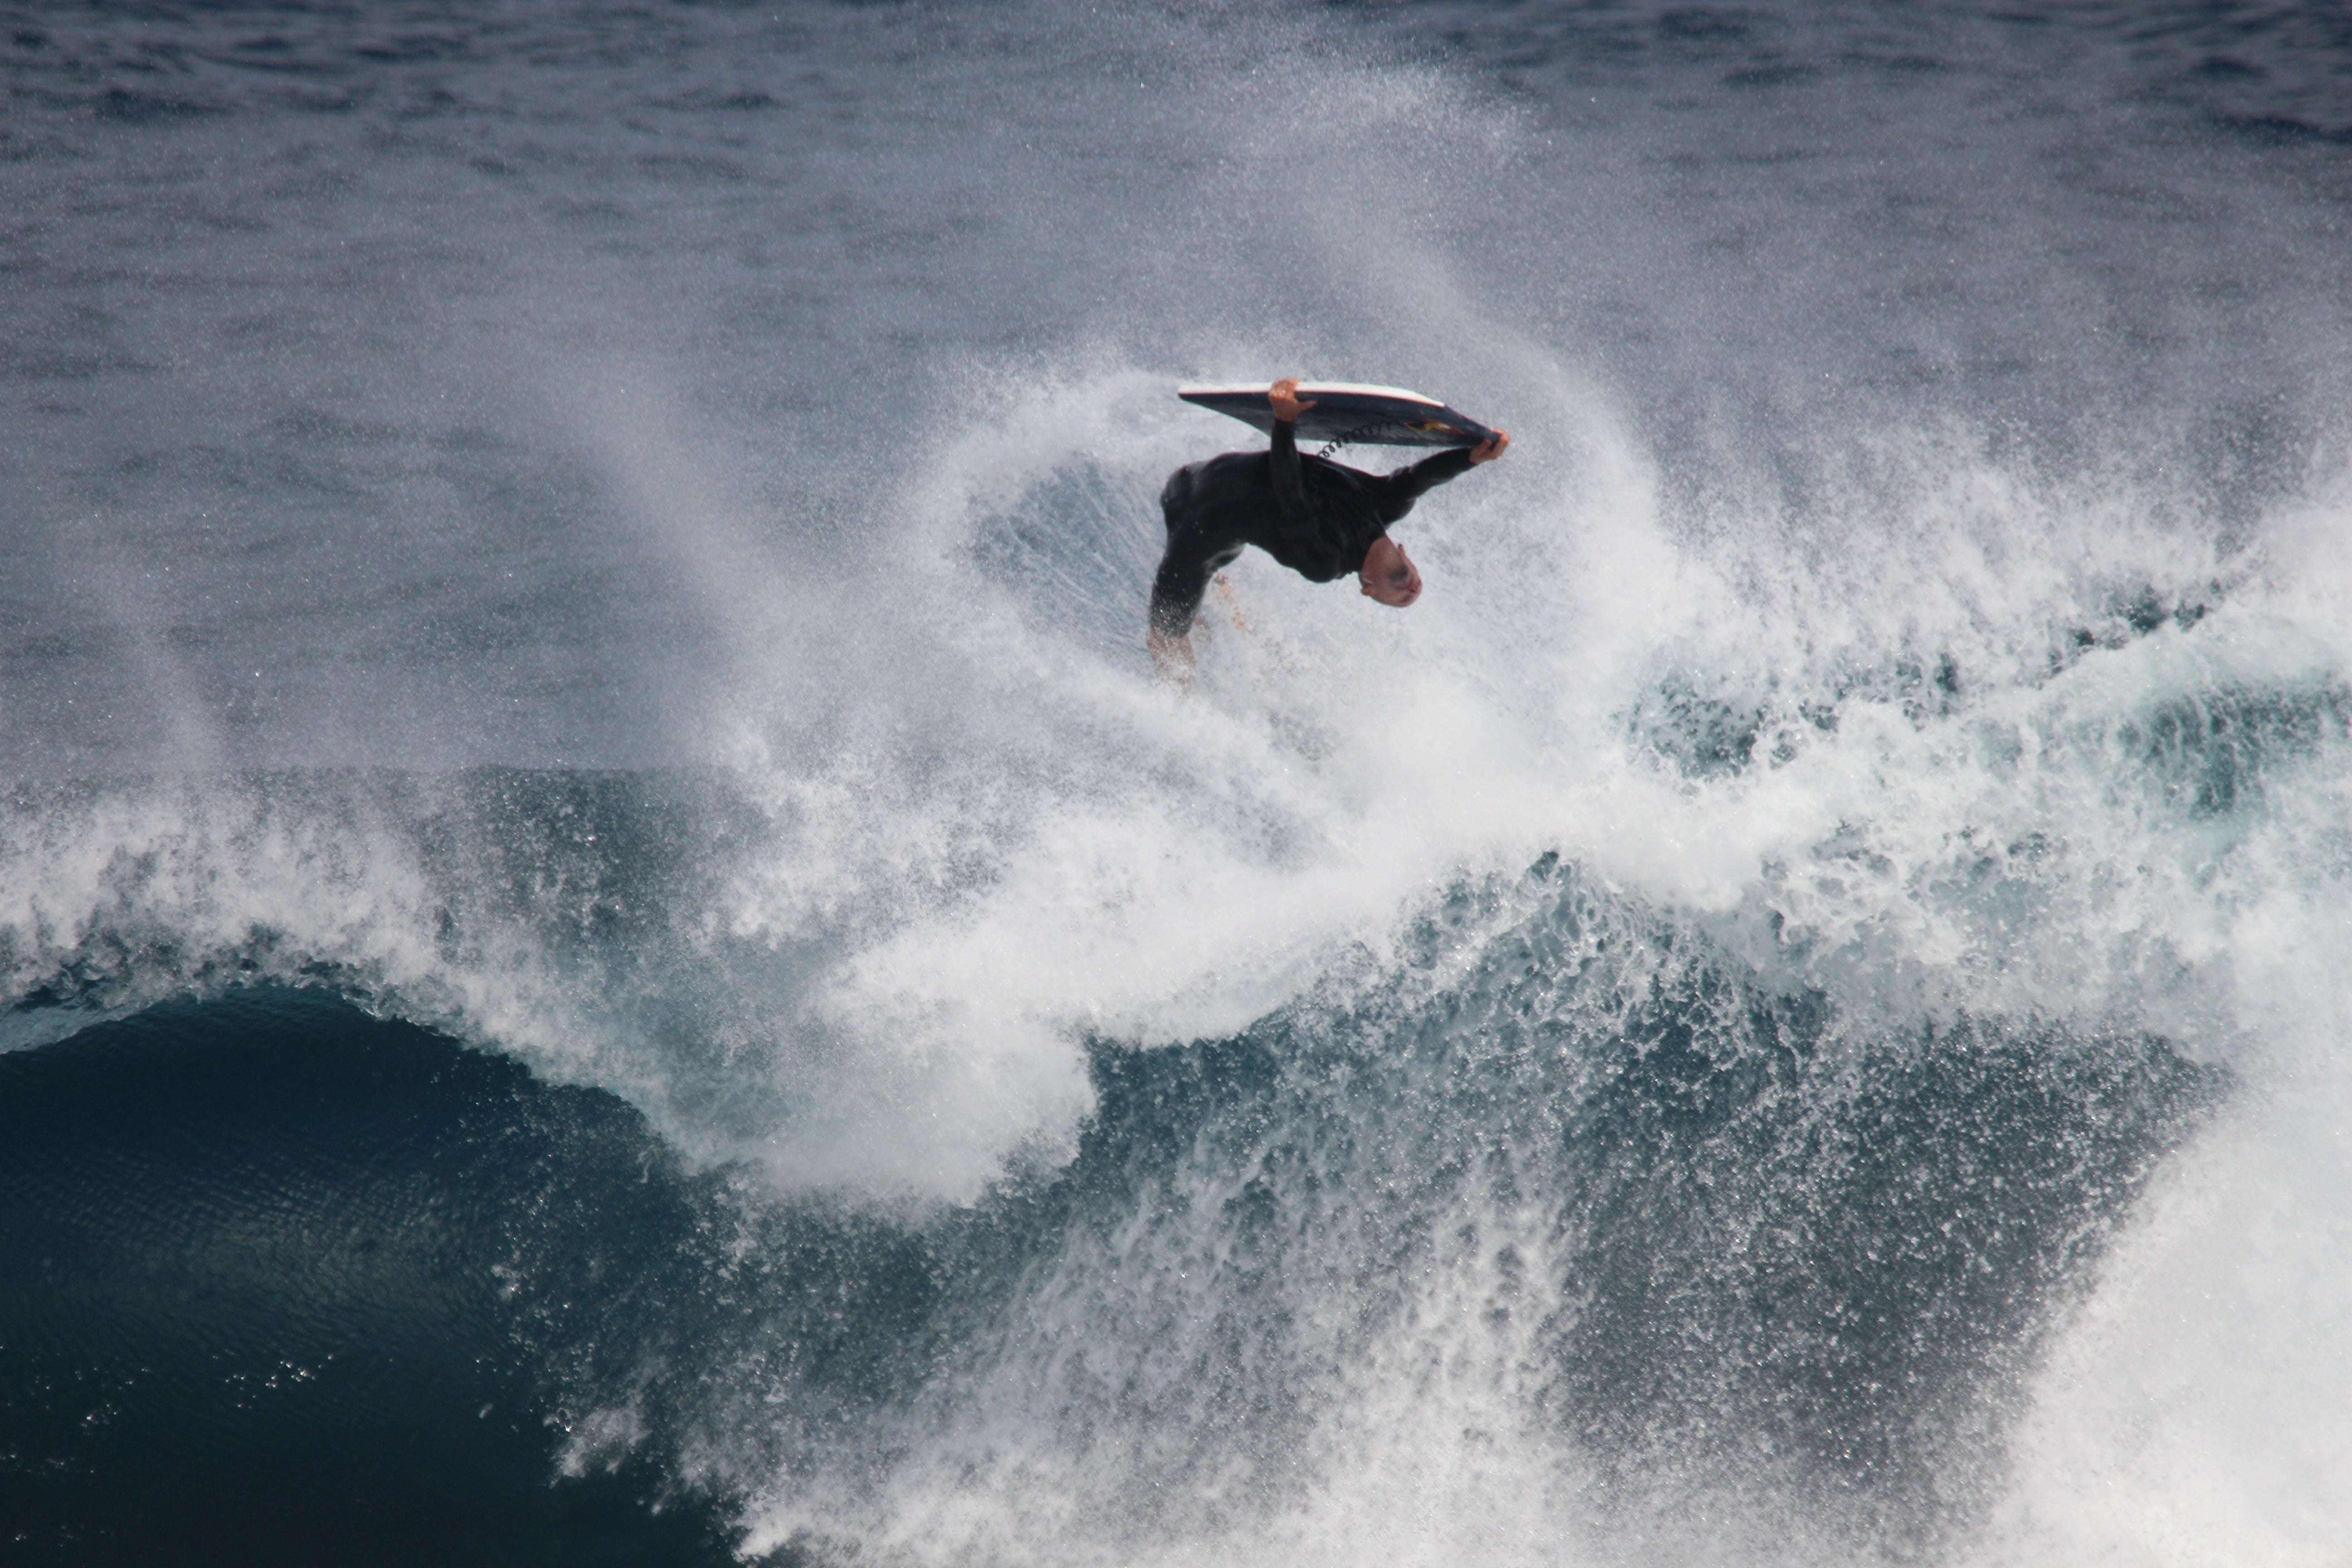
1387,573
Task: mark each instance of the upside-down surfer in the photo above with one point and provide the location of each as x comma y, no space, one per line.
1323,520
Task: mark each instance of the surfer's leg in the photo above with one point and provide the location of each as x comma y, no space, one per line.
1183,577
1196,549
1186,563
1232,605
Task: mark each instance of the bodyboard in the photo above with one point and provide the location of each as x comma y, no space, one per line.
1349,414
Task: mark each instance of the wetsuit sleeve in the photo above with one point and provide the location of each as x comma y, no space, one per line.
1406,484
1289,485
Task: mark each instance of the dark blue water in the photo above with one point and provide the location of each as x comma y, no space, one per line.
611,956
291,1282
264,1295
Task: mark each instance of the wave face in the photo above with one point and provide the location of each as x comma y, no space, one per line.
610,949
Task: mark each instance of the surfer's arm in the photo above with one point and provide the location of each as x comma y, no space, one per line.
1430,472
1289,484
1406,484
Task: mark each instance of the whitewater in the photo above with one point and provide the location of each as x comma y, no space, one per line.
611,952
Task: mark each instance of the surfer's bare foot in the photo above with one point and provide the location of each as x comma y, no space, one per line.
1283,395
1232,605
1172,657
1487,450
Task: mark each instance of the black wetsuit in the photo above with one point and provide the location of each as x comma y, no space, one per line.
1315,516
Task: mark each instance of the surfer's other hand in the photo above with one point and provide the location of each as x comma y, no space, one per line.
1283,395
1492,448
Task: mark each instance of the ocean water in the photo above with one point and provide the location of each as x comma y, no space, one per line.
612,955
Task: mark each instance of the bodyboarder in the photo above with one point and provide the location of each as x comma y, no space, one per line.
1323,520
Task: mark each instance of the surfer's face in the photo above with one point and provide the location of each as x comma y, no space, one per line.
1389,574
